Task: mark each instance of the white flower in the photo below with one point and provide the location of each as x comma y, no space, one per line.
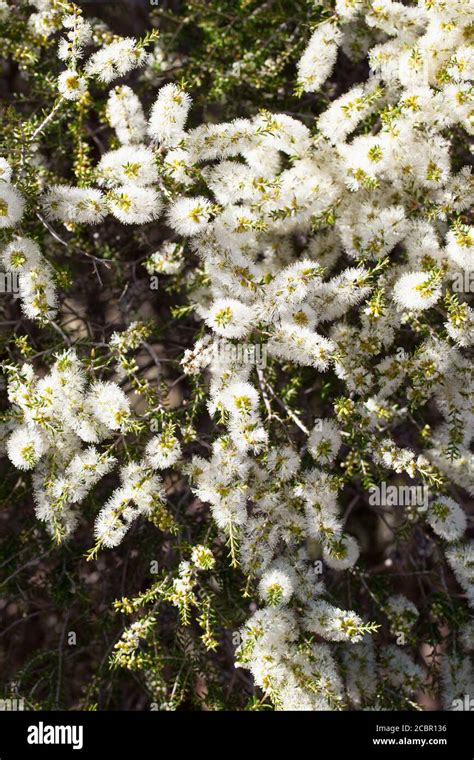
293,284
178,165
342,553
333,623
5,170
38,292
189,216
467,635
461,559
460,246
301,345
21,253
415,291
116,59
447,518
113,520
343,115
230,318
4,9
163,451
400,670
319,58
79,35
324,441
276,587
202,557
125,114
109,404
135,205
402,614
168,115
240,399
247,434
25,447
85,470
12,205
130,165
71,85
74,204
284,462
168,259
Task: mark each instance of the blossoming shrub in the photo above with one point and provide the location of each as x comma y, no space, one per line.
240,347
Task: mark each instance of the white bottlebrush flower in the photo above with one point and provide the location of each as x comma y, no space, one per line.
415,290
283,462
248,434
179,166
71,85
125,115
317,61
240,399
25,447
168,115
301,345
371,230
230,318
129,165
294,283
189,216
113,520
276,587
143,488
348,9
163,451
461,326
202,557
333,623
135,205
324,441
461,558
21,253
38,292
110,404
447,518
400,670
169,259
460,246
402,614
5,170
80,31
116,59
341,554
71,47
361,673
74,204
467,635
12,205
85,470
344,114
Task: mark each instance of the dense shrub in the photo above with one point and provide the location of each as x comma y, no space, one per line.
237,413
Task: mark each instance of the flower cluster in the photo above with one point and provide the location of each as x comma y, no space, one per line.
58,427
